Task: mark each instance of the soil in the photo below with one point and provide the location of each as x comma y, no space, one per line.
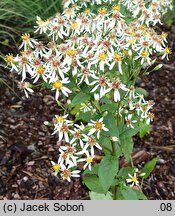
27,146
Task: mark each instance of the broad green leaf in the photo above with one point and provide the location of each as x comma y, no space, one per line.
109,107
106,144
108,169
126,143
140,195
144,129
94,170
76,109
129,194
84,116
123,172
111,124
93,183
149,167
141,91
99,196
80,98
127,131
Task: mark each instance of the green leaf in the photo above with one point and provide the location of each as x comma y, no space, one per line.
127,131
84,116
123,172
108,169
140,195
76,109
94,170
93,183
149,167
111,123
80,98
109,107
129,194
99,196
141,91
144,129
126,142
106,144
127,146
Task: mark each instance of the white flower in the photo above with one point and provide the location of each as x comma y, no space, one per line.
66,174
40,72
102,83
97,127
77,134
56,167
58,86
25,86
42,25
116,85
133,179
117,59
129,121
89,159
167,51
63,130
90,142
27,41
59,119
86,107
67,154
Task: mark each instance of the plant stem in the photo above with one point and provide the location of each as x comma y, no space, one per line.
114,188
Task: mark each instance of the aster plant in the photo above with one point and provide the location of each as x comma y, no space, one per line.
96,52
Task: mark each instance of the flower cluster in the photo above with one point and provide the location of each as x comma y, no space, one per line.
81,143
100,53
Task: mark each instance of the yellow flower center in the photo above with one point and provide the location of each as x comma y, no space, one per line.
60,118
56,167
57,84
131,40
74,25
98,125
87,11
89,159
9,57
25,37
68,11
42,23
102,56
125,52
40,70
73,5
117,57
134,179
167,50
164,35
71,53
116,8
144,54
102,11
133,33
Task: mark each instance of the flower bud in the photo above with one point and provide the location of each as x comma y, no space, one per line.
96,97
46,123
68,101
157,67
114,139
94,110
